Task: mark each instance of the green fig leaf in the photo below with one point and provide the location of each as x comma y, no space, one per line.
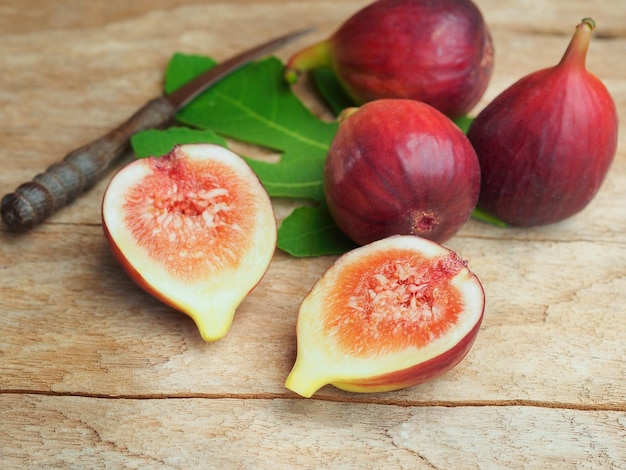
155,142
464,123
294,178
330,89
482,216
256,105
311,231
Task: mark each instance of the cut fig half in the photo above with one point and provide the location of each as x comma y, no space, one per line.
194,228
386,316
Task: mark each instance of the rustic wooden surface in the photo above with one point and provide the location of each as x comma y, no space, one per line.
96,374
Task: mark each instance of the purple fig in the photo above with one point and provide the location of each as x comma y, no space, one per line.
437,52
546,143
400,167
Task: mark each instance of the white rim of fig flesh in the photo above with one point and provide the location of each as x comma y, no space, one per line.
203,277
347,350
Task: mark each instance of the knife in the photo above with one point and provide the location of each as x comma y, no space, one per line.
64,181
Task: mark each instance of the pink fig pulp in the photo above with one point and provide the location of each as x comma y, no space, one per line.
400,167
546,143
440,53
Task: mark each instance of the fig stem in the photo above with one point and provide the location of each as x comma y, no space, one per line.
311,57
576,52
588,22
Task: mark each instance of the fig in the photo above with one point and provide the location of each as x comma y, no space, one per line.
195,228
545,144
386,316
438,52
400,167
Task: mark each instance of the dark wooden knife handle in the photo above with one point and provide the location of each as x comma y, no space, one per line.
62,182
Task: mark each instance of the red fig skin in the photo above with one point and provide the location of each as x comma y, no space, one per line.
437,52
424,371
546,143
400,167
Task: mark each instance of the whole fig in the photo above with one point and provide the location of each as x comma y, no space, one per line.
439,52
400,167
546,143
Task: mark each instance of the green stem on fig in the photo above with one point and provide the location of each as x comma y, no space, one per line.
590,22
483,216
576,52
312,57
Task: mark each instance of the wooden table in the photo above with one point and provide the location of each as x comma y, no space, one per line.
95,373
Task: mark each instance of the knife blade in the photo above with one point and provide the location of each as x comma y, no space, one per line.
62,182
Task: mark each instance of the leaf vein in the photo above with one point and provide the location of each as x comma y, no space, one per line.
272,124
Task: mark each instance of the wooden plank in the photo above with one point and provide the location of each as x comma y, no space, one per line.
77,324
57,432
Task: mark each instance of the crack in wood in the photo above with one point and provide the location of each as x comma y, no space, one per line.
357,400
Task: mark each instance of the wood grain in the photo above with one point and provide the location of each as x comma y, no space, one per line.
285,434
94,373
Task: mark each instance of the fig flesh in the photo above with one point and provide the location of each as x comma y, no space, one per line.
194,228
400,167
546,143
440,53
386,316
